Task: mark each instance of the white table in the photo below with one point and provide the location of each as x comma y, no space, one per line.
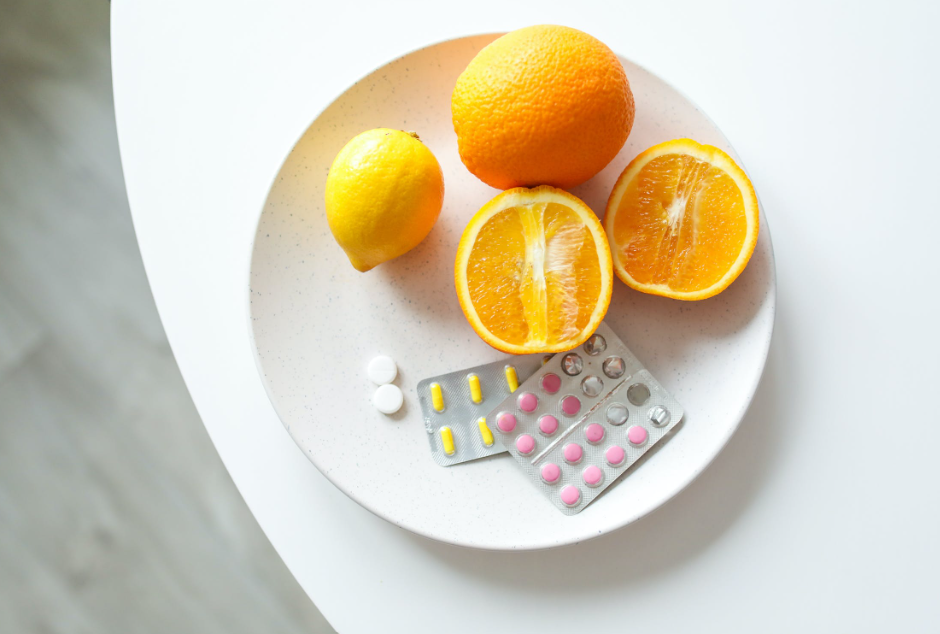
823,511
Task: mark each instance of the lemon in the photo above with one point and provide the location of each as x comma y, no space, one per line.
383,195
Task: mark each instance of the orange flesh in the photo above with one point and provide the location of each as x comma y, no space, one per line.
681,223
533,274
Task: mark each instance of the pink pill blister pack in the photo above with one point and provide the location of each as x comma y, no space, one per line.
455,407
583,419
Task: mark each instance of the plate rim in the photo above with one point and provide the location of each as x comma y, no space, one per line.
537,545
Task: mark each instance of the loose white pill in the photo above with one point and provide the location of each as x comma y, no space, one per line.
388,399
382,370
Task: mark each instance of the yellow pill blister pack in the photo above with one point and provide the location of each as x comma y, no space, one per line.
455,406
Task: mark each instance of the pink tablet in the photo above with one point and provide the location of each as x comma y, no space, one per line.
505,422
615,456
548,424
573,453
551,383
592,475
525,444
570,405
637,435
528,402
550,472
594,433
570,495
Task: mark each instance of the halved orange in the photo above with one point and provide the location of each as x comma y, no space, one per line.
533,271
682,221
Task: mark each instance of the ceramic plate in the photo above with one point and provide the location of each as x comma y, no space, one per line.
316,322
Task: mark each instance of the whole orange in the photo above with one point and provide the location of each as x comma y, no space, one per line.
544,105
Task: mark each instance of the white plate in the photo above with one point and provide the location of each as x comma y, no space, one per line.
316,322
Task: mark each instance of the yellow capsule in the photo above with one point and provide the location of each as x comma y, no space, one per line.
476,394
485,432
437,397
447,440
512,379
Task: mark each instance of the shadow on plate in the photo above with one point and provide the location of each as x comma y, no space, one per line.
679,531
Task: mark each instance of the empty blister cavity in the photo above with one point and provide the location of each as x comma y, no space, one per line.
617,414
595,345
659,416
594,433
614,367
638,394
551,383
637,436
571,364
525,444
592,386
548,424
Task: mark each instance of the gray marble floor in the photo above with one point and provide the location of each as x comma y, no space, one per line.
116,514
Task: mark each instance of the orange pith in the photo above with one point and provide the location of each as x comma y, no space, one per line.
682,221
533,271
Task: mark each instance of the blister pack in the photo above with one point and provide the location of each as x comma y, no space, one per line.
582,419
455,406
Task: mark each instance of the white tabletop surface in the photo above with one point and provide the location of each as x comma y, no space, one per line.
823,511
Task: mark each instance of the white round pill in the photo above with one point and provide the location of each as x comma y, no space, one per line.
388,399
382,370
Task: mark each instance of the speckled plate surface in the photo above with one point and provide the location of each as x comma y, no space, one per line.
316,322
